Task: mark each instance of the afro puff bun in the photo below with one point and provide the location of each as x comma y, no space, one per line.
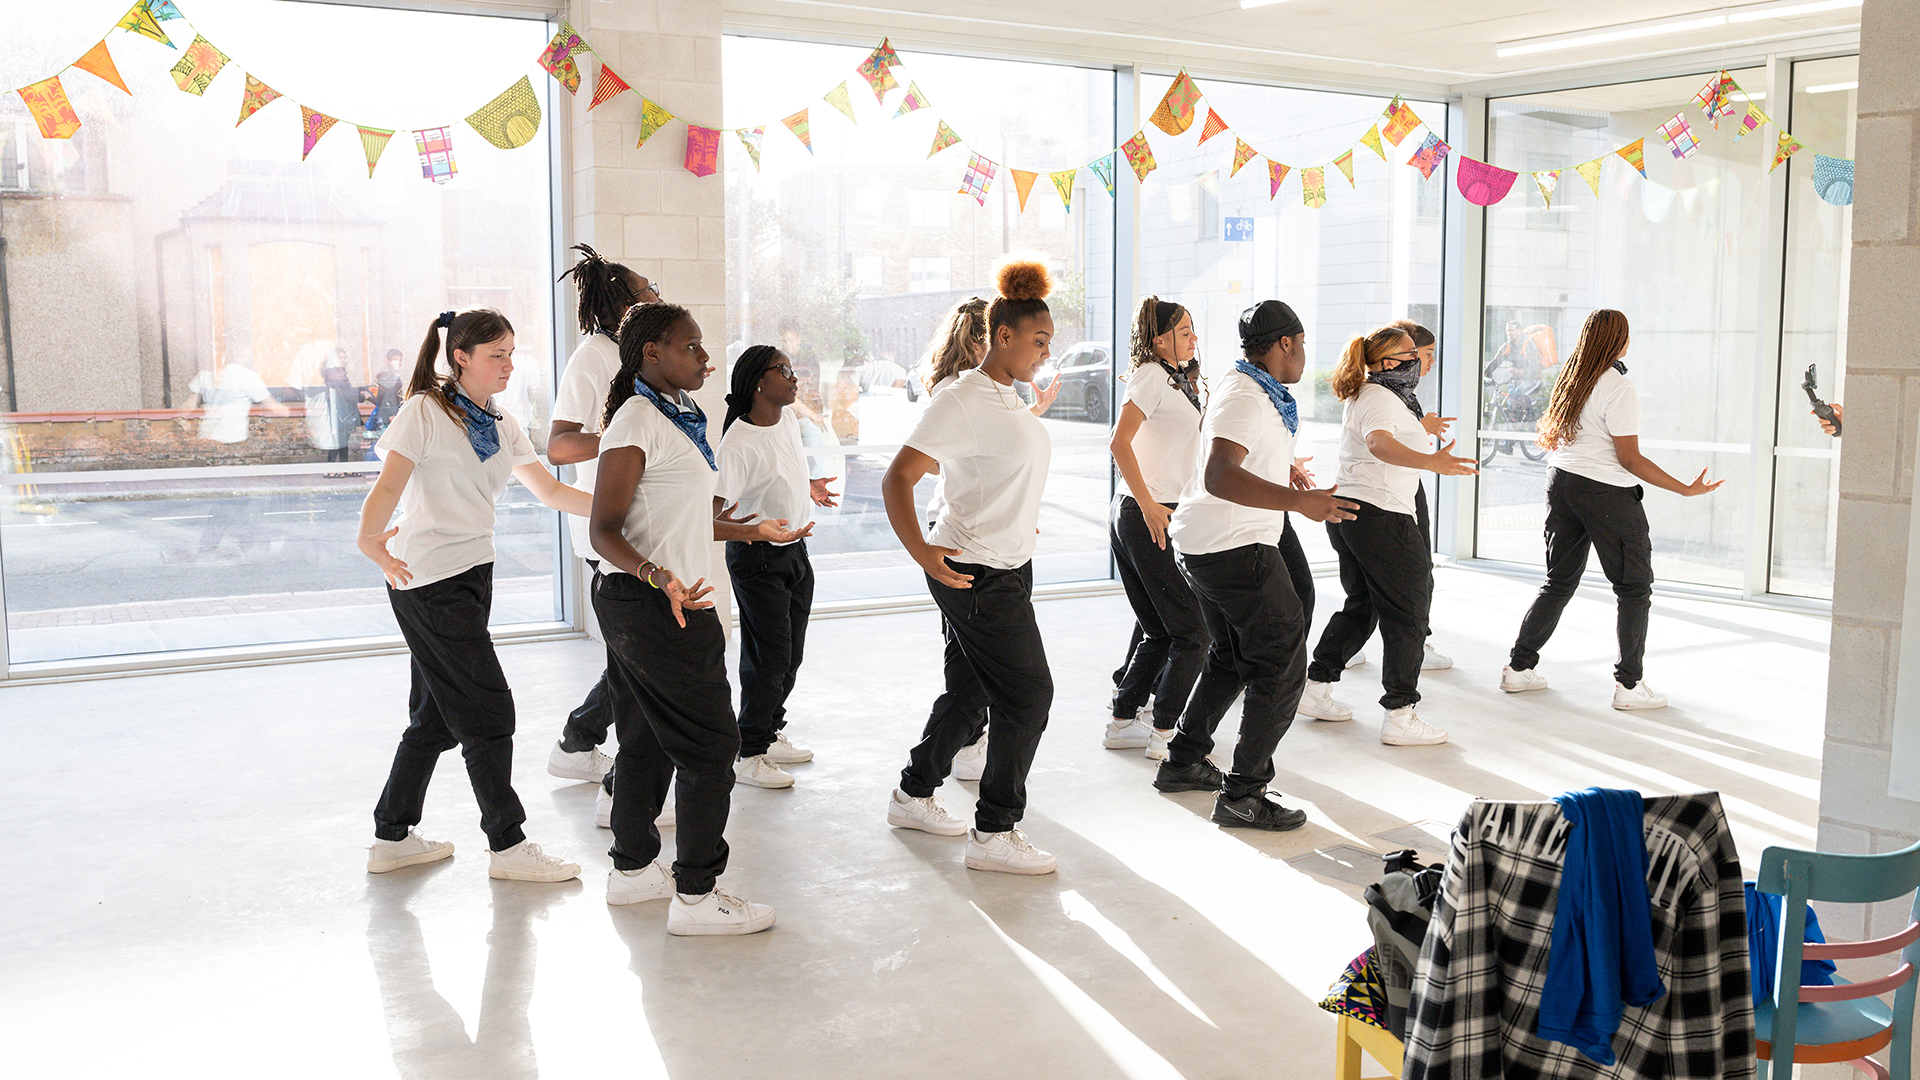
1023,279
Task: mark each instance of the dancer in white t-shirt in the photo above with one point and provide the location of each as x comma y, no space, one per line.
449,454
1592,435
993,455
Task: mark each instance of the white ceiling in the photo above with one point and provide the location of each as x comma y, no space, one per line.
1415,43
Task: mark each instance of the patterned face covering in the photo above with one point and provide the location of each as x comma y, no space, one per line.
1282,399
1401,380
691,422
1620,366
1183,380
483,426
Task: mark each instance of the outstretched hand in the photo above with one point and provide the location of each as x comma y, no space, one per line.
685,598
821,495
725,516
1322,506
1700,486
1447,463
1436,424
1298,476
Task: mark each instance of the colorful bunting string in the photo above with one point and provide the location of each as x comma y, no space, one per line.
1679,137
511,120
914,101
703,150
1103,168
99,62
943,137
257,95
1371,140
877,69
751,138
140,20
1313,187
1632,154
1063,183
435,147
1242,153
198,66
51,111
1174,115
557,59
374,142
839,99
1430,155
1276,172
652,119
313,125
1022,184
1213,126
802,130
1139,155
1345,164
606,86
1480,183
1548,182
978,179
1590,172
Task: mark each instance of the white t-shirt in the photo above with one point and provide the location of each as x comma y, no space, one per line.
671,519
446,509
1365,477
582,399
937,502
1167,443
764,469
993,454
228,399
1239,411
1612,409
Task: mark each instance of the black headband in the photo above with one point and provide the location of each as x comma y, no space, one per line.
1165,314
445,321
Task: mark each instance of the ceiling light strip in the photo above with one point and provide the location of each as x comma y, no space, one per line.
1698,20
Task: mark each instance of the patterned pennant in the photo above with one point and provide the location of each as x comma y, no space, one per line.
1750,122
943,137
435,146
1345,164
652,119
47,102
1709,96
139,20
913,102
606,87
802,130
557,59
1213,126
374,142
511,120
1242,153
164,10
312,126
1431,154
198,65
839,99
1371,140
1103,168
877,69
1482,184
1313,186
1632,155
1276,172
99,61
978,179
1063,183
1022,184
1590,172
256,97
1716,98
1679,137
1786,147
1139,155
1548,182
1400,123
1833,179
1175,112
703,150
751,138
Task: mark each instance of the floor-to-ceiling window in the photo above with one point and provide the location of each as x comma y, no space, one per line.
849,254
203,329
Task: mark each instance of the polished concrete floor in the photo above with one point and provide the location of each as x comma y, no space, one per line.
188,894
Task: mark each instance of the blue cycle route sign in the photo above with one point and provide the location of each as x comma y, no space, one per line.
1239,230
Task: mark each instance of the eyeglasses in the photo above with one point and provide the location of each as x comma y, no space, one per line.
783,369
654,288
1408,355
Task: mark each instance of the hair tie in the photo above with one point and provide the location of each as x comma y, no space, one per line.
445,321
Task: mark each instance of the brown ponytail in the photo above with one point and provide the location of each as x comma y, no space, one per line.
466,331
1350,374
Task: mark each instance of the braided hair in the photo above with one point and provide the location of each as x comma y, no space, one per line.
1153,318
466,331
746,381
605,288
1603,340
643,324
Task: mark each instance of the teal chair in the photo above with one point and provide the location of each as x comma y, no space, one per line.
1846,1021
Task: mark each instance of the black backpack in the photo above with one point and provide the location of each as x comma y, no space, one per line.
1399,907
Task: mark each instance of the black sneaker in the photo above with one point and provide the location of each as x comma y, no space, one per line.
1256,812
1199,777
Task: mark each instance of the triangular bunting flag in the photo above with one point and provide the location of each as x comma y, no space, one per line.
913,102
1590,172
751,138
1139,155
877,69
257,95
1786,147
1371,140
1548,183
1749,122
1063,183
1276,172
164,10
838,98
1242,153
1103,168
703,150
978,179
1400,123
139,20
802,130
557,58
47,103
511,120
1709,96
1213,126
1345,164
312,126
435,146
1833,179
374,142
1431,154
943,137
1022,184
100,62
1679,137
1482,184
1632,154
652,119
198,65
606,86
1313,186
1175,112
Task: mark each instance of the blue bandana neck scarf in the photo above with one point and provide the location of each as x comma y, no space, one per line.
1401,380
1276,393
483,426
692,423
1620,366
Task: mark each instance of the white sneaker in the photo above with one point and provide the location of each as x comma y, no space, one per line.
1157,741
717,912
971,761
1125,734
1519,682
1641,696
589,765
387,855
525,861
1358,659
603,811
926,814
1318,703
1006,852
650,882
760,772
1403,727
1432,659
783,752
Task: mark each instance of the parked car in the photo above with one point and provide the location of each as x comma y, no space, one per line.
1085,372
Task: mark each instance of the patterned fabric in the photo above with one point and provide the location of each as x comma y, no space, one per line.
1175,113
943,137
1633,154
1400,123
1590,172
1786,147
803,130
1679,137
978,179
877,69
1430,155
652,119
1833,179
1749,122
1103,168
139,19
1345,164
1371,140
606,86
1063,183
751,138
1481,183
511,120
435,147
1359,992
374,142
1242,153
312,126
198,65
257,96
1276,173
1277,393
482,424
839,99
1548,182
1214,125
1139,155
1313,187
557,58
703,150
47,103
1476,994
913,101
689,418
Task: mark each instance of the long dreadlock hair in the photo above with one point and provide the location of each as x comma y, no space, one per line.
605,288
644,323
1151,319
1603,340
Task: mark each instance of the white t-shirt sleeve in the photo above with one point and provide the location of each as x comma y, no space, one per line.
943,432
407,434
1622,410
1142,390
1383,411
580,399
514,442
1238,419
253,385
732,459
